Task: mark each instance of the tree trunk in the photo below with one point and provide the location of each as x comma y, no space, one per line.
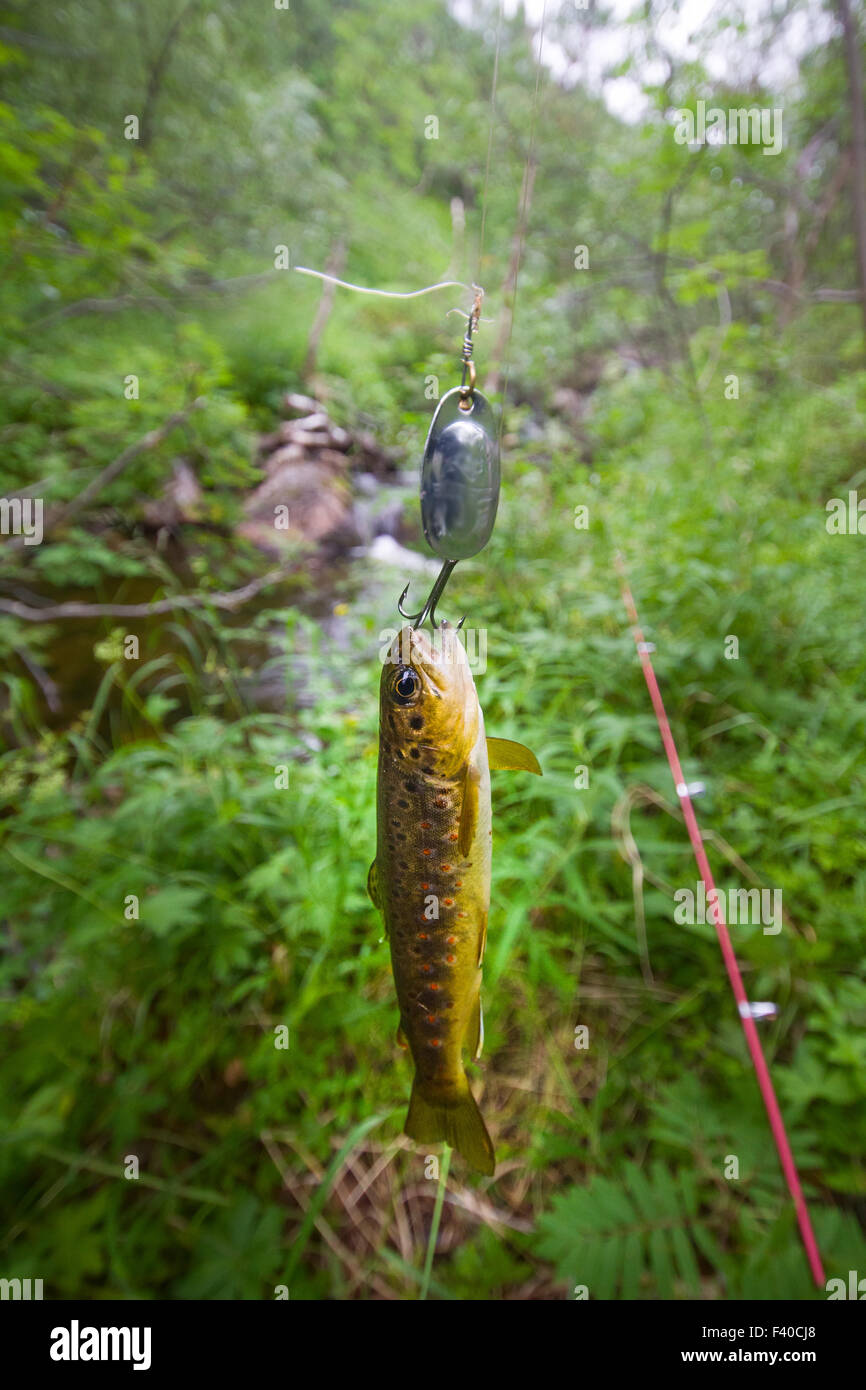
336,261
156,77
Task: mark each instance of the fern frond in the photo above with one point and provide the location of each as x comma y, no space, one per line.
640,1235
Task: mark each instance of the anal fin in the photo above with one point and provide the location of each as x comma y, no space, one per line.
475,1029
482,938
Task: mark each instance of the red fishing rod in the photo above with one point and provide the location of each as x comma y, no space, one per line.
746,1010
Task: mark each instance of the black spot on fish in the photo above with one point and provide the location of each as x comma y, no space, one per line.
413,753
417,722
403,804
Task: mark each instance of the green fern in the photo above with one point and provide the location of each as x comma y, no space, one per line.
709,1129
636,1235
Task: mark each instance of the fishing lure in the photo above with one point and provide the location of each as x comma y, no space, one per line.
431,875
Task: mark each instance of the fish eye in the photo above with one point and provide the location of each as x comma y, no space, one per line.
406,686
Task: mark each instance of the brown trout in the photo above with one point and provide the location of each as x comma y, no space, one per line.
431,875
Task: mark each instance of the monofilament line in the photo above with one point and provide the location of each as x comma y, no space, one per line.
522,217
490,138
385,294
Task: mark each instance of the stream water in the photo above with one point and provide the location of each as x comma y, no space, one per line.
238,661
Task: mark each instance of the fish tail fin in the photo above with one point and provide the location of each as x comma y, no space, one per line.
458,1122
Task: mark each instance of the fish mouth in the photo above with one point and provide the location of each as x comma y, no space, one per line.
441,658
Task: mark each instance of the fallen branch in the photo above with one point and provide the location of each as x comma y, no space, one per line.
58,515
825,295
233,599
40,383
49,688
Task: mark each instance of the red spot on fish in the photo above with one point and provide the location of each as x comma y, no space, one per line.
450,959
440,801
425,886
433,986
431,1018
426,851
446,868
422,936
426,969
425,825
435,1042
455,836
449,902
461,914
458,883
451,940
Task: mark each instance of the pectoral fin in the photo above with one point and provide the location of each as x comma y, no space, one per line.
469,810
506,756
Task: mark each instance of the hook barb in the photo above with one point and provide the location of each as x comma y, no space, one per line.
429,610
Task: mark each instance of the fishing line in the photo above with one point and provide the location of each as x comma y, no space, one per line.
490,137
444,284
386,294
747,1011
458,508
523,217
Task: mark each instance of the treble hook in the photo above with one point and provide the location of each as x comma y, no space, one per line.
429,610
